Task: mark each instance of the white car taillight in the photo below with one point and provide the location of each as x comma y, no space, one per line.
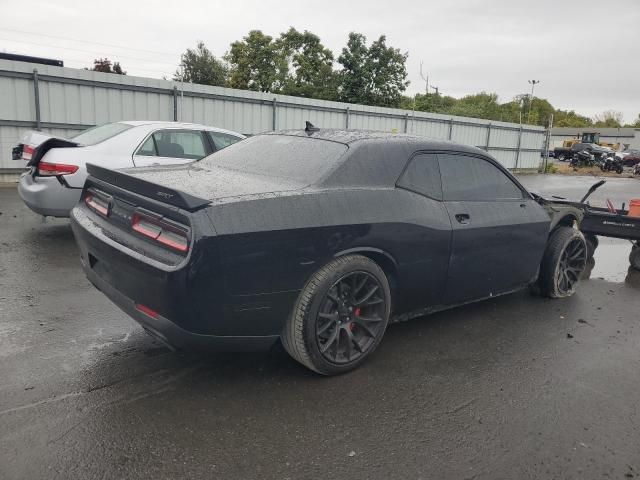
52,169
27,152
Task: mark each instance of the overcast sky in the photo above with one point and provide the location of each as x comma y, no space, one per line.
586,54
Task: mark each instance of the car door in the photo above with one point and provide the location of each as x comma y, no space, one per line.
499,231
170,147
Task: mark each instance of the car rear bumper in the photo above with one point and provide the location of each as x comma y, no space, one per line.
130,283
47,196
171,334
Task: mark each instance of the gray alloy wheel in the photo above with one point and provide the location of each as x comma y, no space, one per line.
563,262
340,316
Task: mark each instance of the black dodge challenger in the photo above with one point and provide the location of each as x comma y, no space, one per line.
318,238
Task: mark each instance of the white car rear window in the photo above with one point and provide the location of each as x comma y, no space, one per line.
95,135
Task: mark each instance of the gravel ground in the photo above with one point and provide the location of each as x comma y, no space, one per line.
514,387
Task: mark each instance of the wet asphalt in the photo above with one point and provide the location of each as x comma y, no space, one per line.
515,387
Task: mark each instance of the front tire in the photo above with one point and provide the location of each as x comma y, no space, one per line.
592,244
340,316
563,262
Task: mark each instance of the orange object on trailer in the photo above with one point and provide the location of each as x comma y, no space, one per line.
634,207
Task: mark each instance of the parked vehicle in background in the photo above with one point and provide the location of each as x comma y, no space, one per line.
630,158
56,166
611,164
583,158
567,150
318,238
571,148
563,153
592,148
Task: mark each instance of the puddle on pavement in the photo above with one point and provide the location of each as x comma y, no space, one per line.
611,263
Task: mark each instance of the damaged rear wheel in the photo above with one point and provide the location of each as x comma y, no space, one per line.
564,260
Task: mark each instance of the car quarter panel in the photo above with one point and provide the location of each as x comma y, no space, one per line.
272,245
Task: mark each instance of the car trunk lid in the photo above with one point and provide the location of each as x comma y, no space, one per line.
178,183
153,211
160,192
34,145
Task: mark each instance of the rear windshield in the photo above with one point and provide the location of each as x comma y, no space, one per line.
99,134
303,160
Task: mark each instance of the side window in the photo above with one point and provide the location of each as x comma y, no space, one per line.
422,175
474,179
222,140
148,148
180,144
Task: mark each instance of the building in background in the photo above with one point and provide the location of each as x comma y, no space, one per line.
28,58
626,137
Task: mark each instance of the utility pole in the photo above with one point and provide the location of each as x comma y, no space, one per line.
426,80
533,85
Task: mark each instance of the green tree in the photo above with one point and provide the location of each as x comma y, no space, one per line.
256,63
375,75
480,105
434,102
635,124
199,65
608,119
309,65
105,65
569,118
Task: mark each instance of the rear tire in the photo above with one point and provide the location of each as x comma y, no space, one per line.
634,257
563,263
340,316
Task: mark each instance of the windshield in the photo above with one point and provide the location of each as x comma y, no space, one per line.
95,135
303,160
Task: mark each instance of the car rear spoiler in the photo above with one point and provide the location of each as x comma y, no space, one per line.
147,189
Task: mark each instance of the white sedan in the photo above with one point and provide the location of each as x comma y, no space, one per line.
56,167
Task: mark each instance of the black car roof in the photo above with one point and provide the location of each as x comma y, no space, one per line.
340,135
351,136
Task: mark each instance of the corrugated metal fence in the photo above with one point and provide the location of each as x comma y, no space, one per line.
63,101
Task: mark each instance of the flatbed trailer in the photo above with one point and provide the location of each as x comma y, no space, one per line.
597,221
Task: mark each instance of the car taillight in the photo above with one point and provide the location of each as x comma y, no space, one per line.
27,152
146,310
97,204
163,231
51,169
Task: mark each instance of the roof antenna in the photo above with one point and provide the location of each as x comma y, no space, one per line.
310,128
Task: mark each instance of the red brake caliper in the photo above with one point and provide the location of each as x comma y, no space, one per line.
356,313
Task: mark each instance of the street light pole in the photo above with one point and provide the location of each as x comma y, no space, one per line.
426,80
533,85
